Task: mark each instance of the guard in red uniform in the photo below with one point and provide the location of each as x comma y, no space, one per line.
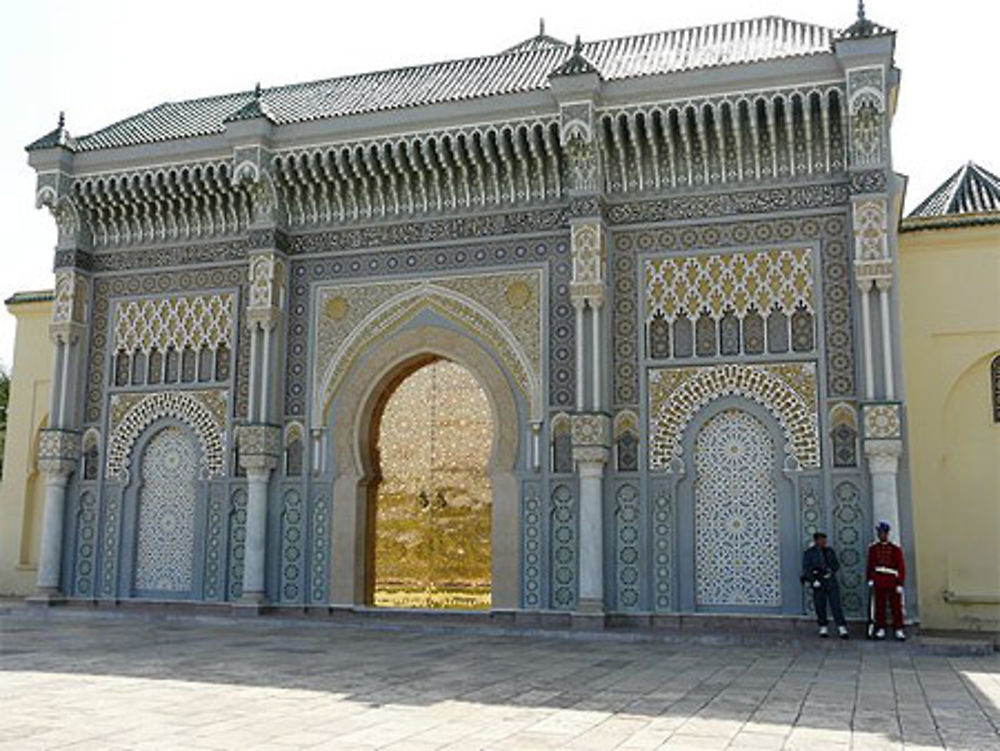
886,577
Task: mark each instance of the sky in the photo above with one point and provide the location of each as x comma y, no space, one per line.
103,60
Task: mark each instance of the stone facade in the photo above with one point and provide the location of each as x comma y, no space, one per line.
679,301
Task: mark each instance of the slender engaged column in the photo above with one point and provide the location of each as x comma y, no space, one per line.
265,373
866,332
578,307
62,417
50,560
595,308
254,378
883,295
591,537
54,390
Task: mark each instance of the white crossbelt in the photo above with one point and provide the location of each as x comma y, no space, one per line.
886,570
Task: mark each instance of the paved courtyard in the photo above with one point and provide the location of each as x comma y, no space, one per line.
77,680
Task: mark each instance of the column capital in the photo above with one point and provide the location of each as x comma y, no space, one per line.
883,455
260,446
57,452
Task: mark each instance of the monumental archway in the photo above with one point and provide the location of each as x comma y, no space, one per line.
354,422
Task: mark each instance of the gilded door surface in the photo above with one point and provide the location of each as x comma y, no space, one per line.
434,504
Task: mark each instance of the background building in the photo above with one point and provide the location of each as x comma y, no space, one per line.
950,276
22,489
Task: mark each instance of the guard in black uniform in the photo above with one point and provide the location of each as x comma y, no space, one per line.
819,572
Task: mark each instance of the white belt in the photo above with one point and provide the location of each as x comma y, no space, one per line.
886,570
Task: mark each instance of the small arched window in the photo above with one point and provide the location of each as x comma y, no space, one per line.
90,454
562,445
293,450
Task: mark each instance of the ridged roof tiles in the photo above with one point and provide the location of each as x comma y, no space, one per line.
970,190
525,67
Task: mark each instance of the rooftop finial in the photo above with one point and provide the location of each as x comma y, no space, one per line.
541,27
256,91
577,46
861,10
62,119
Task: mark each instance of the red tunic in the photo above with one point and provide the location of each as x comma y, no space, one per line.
886,567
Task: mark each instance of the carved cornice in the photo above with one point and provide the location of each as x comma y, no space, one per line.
432,231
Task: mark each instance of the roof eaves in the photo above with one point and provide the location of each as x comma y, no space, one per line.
948,221
21,298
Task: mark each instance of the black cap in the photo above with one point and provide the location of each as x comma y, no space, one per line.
817,535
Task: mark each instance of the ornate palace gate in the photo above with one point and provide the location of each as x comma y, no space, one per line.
671,273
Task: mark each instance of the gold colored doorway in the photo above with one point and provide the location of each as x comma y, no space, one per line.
433,503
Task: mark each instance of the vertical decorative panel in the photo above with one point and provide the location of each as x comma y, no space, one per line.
564,547
662,509
531,525
86,538
849,540
110,541
811,521
237,541
320,550
628,573
291,548
214,580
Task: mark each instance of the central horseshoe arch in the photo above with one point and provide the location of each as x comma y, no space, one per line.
354,412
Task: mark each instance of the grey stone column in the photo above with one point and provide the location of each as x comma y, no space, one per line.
260,446
883,448
591,441
57,452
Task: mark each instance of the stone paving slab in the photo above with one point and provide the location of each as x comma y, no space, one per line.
133,683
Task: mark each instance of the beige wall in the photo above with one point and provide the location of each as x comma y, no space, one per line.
951,331
22,489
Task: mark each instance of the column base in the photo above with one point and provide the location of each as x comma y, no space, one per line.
250,604
46,597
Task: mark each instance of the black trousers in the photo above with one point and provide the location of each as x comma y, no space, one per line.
828,591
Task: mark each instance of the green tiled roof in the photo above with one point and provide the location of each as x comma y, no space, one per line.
523,68
18,298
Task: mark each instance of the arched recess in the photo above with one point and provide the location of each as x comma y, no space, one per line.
971,445
207,424
162,547
679,394
788,551
358,402
34,501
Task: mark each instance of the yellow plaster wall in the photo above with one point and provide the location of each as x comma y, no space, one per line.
22,489
951,331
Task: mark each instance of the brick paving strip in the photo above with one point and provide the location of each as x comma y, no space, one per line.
81,681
